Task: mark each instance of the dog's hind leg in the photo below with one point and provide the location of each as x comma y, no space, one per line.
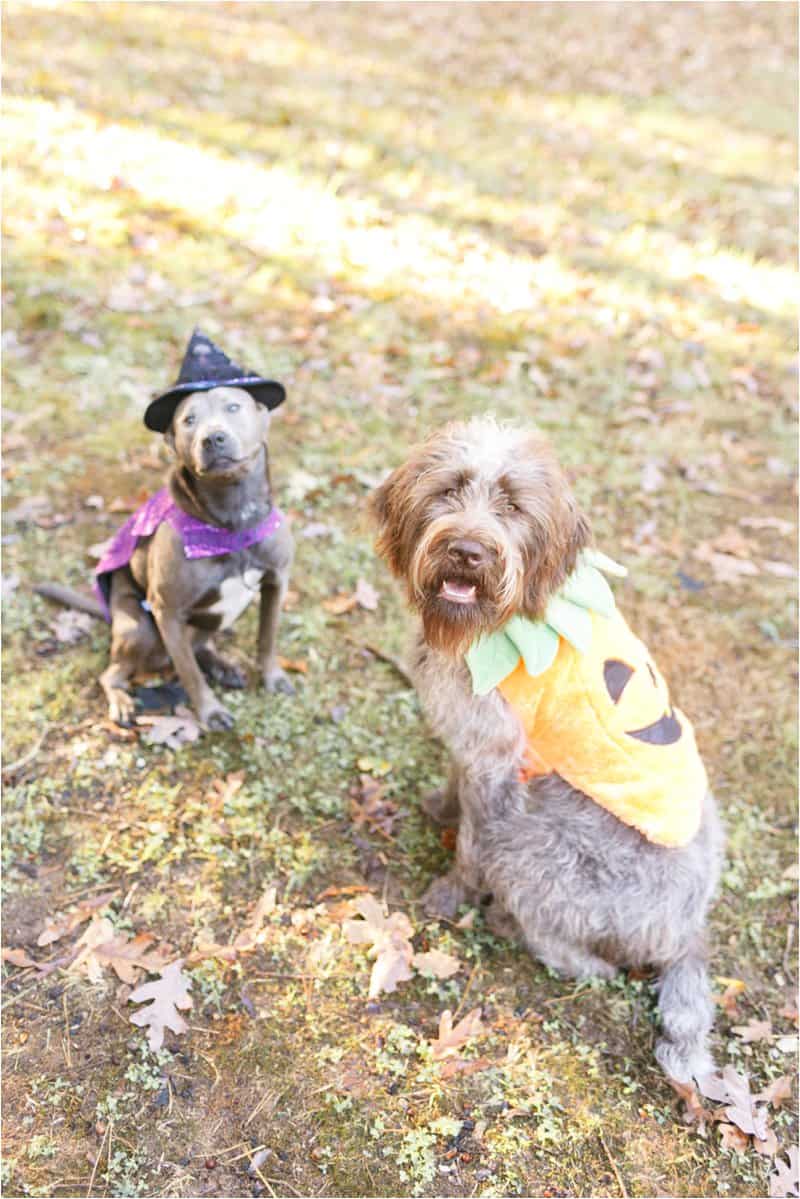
135,647
687,1013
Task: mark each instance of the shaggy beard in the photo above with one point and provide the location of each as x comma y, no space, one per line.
451,628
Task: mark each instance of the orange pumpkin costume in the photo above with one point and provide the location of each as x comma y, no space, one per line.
600,717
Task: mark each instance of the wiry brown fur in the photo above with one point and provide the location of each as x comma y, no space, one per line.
585,892
524,516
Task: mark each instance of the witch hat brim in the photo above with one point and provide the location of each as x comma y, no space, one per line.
205,367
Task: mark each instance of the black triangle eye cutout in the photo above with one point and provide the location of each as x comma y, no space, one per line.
666,731
616,675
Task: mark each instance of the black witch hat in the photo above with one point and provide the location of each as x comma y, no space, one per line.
204,367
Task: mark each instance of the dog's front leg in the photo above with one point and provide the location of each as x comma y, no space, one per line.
273,678
177,638
464,882
443,805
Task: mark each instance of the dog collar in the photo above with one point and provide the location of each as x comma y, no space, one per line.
493,656
199,539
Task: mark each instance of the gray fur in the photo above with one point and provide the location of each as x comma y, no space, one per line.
588,893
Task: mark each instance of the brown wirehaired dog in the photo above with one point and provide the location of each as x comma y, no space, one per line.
481,526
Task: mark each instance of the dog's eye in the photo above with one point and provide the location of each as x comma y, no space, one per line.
189,419
233,407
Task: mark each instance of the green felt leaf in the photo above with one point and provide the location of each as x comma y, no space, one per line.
572,622
490,660
535,640
603,562
587,588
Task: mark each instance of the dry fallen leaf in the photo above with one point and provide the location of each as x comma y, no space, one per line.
785,1178
18,957
754,1030
436,963
366,596
695,1112
389,939
296,665
69,627
166,995
733,1138
339,604
777,1091
452,1038
248,938
58,926
726,568
769,1146
172,731
126,957
371,807
727,1000
734,1090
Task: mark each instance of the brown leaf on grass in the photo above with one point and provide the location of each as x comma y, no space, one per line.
58,926
733,1090
172,731
366,596
777,1091
371,807
436,964
339,604
101,947
126,957
69,627
789,1011
754,1030
18,957
784,1181
731,541
164,997
222,791
389,939
733,1138
769,1146
296,665
726,568
458,1065
248,938
452,1038
727,1000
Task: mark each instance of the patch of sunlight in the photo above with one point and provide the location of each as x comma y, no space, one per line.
282,213
735,277
665,133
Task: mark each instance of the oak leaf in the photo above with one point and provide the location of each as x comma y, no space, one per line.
389,939
452,1038
163,997
436,963
58,926
777,1091
785,1179
754,1030
172,731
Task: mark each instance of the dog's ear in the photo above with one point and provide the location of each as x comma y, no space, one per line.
385,507
553,554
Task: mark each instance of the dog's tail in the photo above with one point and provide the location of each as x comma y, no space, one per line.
70,599
687,1013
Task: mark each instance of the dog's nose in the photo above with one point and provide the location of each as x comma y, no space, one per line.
215,440
468,553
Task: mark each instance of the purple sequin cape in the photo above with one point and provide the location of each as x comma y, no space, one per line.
199,539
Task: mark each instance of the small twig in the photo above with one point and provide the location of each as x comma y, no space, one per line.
97,1160
578,993
392,661
466,991
613,1164
13,767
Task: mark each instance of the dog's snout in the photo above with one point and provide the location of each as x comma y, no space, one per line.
215,440
469,553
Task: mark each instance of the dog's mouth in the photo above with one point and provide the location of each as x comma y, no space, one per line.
459,591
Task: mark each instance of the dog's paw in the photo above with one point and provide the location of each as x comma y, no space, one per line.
218,719
278,680
444,897
229,675
121,707
441,806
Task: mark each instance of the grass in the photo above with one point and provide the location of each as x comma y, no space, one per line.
562,213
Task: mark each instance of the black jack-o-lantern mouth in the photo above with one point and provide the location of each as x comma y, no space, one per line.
664,731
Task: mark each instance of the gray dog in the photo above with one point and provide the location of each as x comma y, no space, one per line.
192,558
166,605
482,528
